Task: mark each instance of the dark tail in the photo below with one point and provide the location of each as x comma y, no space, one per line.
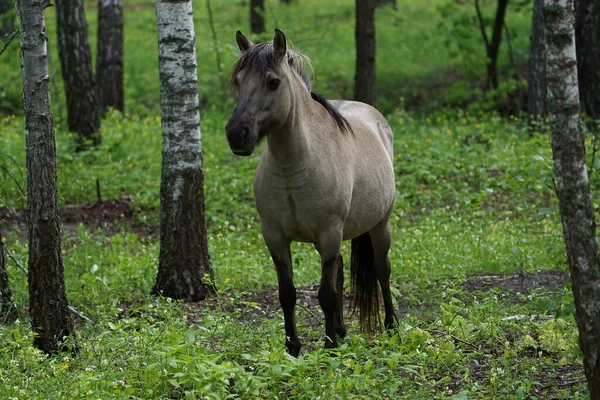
364,283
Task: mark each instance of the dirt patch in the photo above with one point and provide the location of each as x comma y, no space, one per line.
251,307
108,215
521,283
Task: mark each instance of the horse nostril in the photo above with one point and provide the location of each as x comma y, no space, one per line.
246,131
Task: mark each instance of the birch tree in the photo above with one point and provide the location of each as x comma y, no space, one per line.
184,261
364,78
50,318
572,187
109,57
83,113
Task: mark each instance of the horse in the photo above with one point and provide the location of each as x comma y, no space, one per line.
325,175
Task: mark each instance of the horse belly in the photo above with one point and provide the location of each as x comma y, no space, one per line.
372,199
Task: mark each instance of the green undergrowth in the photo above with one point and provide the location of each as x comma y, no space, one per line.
474,197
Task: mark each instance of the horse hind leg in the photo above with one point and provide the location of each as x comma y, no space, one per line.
340,327
381,239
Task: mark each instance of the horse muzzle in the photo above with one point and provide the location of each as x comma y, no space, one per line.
240,141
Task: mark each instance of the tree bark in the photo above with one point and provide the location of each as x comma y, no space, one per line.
379,3
493,47
537,64
587,38
257,12
50,318
184,262
572,186
6,301
109,58
83,113
364,79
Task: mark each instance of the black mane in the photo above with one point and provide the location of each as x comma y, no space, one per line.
335,114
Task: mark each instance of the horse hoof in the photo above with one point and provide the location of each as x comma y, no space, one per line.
293,349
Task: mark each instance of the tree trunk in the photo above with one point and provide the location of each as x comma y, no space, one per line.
83,113
184,261
572,186
109,61
492,47
379,3
537,64
6,301
257,19
50,318
7,18
587,37
364,79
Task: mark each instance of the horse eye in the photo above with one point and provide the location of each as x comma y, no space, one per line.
273,84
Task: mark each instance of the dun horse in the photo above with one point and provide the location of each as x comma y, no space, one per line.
325,176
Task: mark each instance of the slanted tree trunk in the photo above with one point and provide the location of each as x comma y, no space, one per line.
184,261
492,47
257,19
364,78
537,64
83,113
572,186
6,18
50,318
6,301
109,59
587,35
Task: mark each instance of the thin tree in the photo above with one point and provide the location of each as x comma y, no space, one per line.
83,113
364,78
380,3
587,35
6,301
109,58
184,261
572,186
537,63
50,318
6,18
492,46
257,19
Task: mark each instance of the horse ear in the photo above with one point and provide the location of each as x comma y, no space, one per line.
279,44
243,42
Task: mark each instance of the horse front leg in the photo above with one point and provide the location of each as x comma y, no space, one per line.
280,253
340,328
328,290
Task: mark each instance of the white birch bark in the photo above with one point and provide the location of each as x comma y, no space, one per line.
572,186
184,249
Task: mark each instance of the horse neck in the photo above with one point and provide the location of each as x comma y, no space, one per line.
289,146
